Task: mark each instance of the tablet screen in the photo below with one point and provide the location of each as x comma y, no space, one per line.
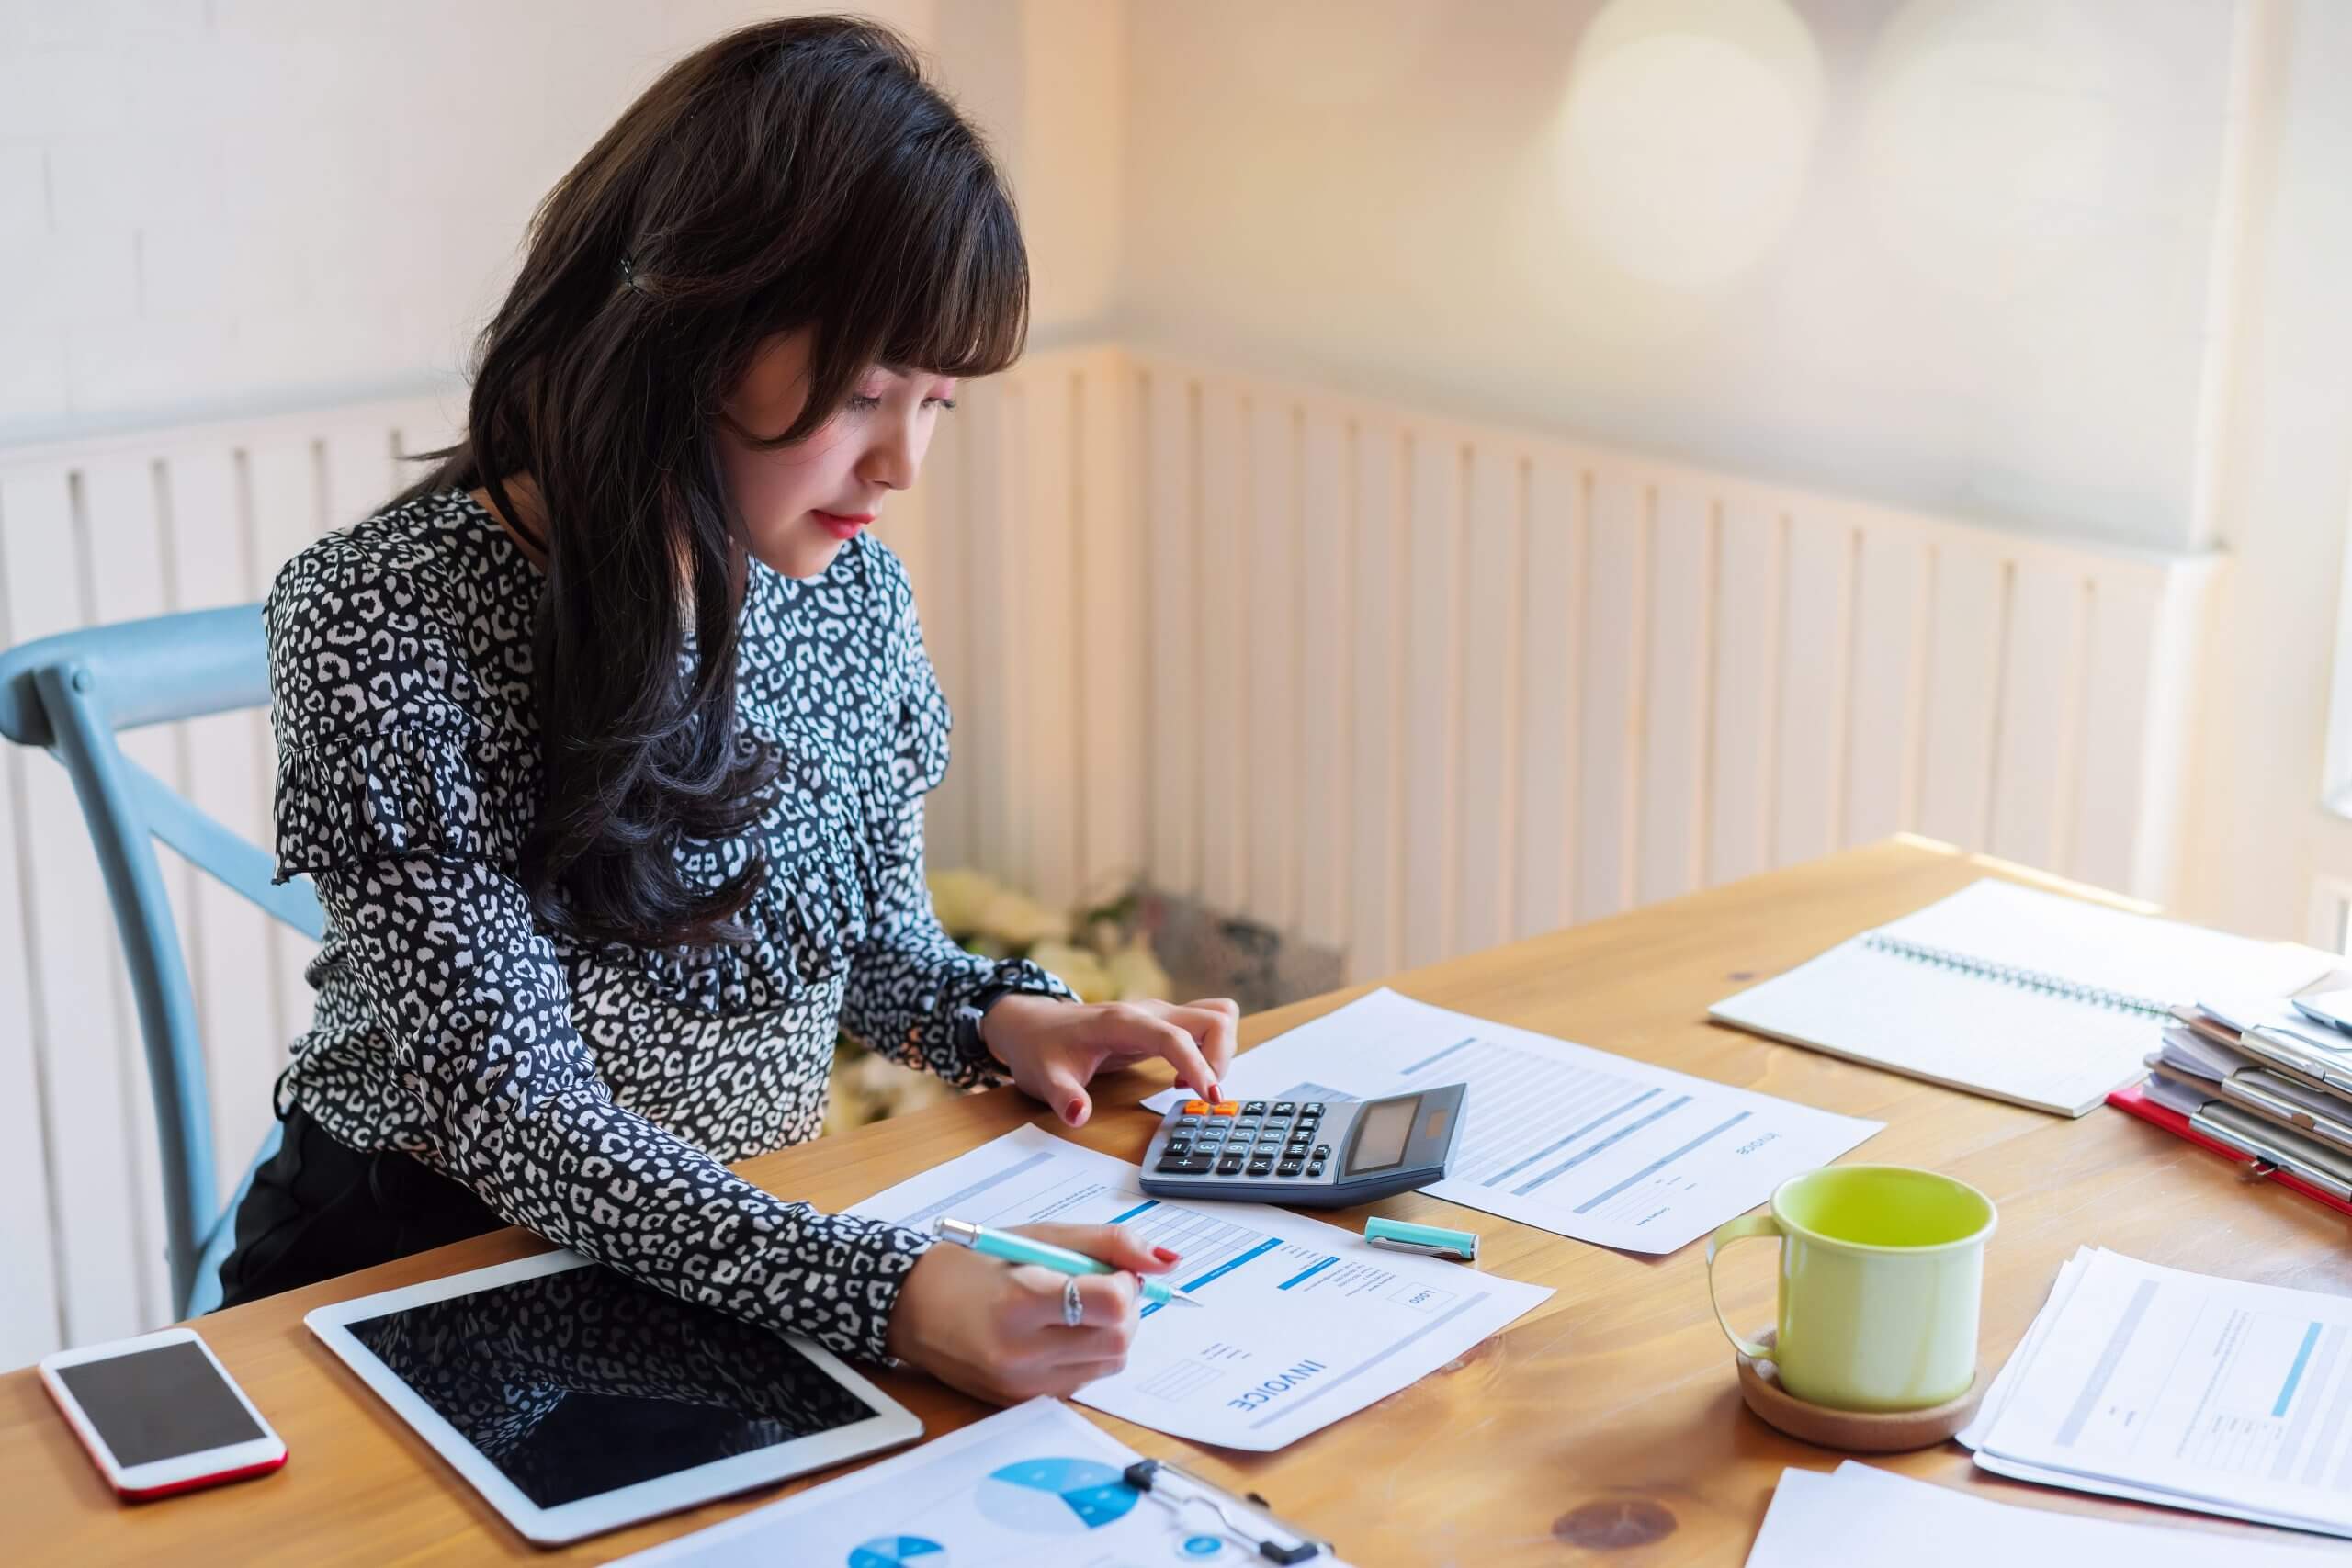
581,1382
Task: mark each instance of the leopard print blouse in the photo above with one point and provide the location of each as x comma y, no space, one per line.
592,1092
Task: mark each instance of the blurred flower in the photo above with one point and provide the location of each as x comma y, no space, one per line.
1134,973
1081,971
1018,920
958,897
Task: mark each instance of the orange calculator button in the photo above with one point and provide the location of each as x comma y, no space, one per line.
1225,1107
1196,1107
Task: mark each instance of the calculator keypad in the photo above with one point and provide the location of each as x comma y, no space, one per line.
1253,1138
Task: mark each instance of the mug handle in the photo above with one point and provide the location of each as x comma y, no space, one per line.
1740,1229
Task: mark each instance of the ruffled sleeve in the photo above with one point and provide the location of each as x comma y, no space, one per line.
908,980
388,746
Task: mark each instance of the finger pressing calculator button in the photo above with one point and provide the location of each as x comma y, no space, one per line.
1230,1166
1288,1168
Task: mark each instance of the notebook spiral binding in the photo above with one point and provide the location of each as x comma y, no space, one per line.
2024,979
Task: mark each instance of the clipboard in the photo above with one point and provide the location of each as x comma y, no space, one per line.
2234,1143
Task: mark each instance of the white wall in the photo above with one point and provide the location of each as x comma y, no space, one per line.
1984,292
213,206
2260,834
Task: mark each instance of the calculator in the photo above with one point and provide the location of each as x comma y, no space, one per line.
1309,1153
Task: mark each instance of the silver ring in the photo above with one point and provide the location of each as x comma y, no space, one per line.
1073,1308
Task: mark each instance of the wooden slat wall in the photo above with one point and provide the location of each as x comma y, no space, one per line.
1398,685
110,530
1416,688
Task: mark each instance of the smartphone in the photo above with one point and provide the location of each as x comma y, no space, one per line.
159,1414
2330,1008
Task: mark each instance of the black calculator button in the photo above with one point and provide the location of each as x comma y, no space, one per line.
1196,1166
1254,1108
1315,1168
1175,1148
1285,1108
1230,1166
1260,1167
1310,1108
1322,1152
1288,1168
1169,1164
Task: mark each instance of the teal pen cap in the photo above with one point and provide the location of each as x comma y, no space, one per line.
1046,1254
1434,1241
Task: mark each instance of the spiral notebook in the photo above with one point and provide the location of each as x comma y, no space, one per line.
2008,991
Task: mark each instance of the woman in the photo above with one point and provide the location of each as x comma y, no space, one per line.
606,746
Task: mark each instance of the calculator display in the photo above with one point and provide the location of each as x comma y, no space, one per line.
1381,1133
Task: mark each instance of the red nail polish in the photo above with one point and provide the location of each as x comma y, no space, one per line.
1164,1255
1070,1112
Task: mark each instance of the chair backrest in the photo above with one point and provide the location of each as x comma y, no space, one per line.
72,694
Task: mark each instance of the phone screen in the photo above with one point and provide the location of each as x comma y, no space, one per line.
159,1404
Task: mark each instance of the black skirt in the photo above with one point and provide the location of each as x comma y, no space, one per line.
318,1209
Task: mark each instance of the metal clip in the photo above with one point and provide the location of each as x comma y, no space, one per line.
1150,1477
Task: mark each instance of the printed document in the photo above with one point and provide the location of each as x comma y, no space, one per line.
1033,1484
1571,1140
1302,1322
1858,1513
2180,1389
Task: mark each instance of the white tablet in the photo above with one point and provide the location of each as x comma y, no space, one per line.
576,1400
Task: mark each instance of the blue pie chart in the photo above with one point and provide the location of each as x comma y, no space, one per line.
1056,1496
897,1551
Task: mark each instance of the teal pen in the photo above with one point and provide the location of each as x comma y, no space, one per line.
1022,1249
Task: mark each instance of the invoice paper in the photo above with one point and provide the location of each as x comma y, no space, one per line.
1861,1513
1035,1483
1575,1141
1304,1322
2182,1389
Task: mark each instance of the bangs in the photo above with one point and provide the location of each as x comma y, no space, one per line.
960,300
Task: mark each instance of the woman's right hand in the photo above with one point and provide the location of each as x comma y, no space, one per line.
995,1329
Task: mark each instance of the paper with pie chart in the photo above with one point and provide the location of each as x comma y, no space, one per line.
1038,1484
1304,1324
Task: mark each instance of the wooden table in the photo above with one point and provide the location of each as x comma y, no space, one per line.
1604,1426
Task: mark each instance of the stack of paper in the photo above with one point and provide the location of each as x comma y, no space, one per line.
2018,994
1857,1514
2260,1079
2180,1389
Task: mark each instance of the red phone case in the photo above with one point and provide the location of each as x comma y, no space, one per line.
147,1494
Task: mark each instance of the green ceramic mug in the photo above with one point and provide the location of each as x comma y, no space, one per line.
1881,1271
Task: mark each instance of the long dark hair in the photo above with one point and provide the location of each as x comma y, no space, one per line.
797,174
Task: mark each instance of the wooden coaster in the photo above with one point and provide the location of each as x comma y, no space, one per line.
1857,1431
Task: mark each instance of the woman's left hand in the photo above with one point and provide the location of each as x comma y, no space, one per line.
1055,1048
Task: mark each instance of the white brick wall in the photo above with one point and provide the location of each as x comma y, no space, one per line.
221,205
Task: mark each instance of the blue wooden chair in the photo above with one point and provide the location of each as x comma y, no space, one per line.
72,694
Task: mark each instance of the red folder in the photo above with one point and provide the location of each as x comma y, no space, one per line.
2135,1100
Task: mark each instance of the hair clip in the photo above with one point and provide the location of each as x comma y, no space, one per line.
629,275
